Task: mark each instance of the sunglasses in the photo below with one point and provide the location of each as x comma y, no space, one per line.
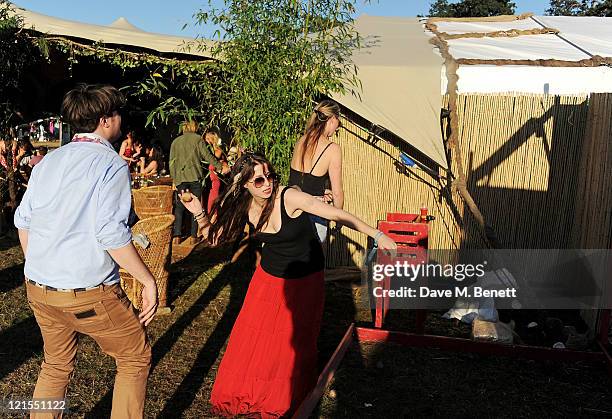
259,181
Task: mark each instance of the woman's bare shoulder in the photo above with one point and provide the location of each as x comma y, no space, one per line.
334,150
334,147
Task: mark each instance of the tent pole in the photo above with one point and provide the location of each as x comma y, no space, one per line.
459,184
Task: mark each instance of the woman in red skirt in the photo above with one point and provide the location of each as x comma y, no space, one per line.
213,139
270,362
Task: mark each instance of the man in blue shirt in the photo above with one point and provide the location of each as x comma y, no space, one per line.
73,229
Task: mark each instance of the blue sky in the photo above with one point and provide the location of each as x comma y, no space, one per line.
168,17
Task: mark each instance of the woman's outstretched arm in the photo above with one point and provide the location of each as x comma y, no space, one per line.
296,200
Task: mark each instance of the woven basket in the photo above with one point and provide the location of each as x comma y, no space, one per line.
152,201
156,257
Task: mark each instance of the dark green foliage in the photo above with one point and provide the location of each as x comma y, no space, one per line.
471,8
16,53
580,8
274,59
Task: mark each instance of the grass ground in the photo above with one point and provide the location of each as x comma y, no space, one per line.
373,381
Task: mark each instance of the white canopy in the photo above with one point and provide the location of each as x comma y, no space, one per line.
590,34
579,38
123,23
400,75
120,32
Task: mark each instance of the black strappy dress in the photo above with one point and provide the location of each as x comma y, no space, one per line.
315,186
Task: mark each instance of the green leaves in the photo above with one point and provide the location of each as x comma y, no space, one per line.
471,8
275,58
580,8
17,52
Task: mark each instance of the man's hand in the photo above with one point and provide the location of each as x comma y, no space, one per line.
127,257
149,303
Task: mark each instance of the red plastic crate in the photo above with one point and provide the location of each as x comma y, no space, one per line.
412,243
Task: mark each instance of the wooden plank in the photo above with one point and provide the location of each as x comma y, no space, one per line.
311,401
467,345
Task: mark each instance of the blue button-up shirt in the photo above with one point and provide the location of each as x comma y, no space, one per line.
75,208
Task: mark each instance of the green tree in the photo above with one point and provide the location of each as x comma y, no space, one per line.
471,8
601,8
580,8
441,8
274,58
565,8
17,51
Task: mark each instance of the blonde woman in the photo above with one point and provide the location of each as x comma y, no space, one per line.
214,140
317,161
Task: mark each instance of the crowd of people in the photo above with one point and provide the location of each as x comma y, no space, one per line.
271,359
19,156
17,159
144,159
194,159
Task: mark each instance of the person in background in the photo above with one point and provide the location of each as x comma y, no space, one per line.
214,141
317,160
189,154
21,162
270,363
4,186
25,152
72,225
130,149
4,154
153,160
40,153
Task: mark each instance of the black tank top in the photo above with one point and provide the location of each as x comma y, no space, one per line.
309,183
294,251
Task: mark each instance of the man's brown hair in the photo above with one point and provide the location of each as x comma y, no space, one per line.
84,105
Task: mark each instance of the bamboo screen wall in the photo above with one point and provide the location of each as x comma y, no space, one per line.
593,226
538,167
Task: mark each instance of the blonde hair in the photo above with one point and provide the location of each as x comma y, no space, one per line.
213,135
189,126
316,126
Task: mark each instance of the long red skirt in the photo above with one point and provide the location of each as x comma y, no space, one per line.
215,187
270,363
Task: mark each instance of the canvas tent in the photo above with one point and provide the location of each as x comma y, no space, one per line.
120,32
532,109
402,74
400,77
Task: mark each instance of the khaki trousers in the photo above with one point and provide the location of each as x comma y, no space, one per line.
105,314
